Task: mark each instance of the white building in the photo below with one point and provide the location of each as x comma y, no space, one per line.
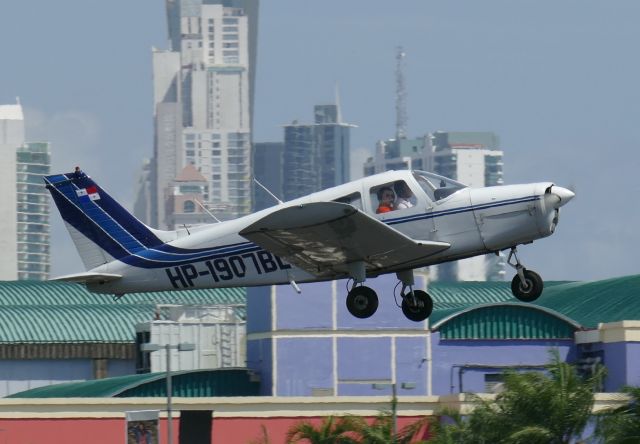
202,107
11,137
474,159
24,201
33,162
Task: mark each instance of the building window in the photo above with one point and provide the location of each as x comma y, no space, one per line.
189,207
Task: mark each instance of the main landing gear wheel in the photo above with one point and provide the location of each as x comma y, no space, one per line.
530,289
417,308
362,302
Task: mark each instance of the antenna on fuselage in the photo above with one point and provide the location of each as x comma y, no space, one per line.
267,190
207,211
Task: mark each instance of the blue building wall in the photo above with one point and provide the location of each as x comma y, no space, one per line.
306,344
309,343
461,365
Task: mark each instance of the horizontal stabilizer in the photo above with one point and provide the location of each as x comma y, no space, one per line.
88,278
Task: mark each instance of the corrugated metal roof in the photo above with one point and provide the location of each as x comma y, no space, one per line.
584,304
72,323
193,383
589,303
60,312
64,293
507,321
462,294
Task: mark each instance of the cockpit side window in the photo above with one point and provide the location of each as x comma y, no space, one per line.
392,196
354,199
437,187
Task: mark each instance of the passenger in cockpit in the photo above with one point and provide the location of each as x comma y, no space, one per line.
386,198
404,195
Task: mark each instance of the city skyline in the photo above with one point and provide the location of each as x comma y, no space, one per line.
555,81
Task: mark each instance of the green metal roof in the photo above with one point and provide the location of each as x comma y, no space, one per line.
72,323
60,312
590,303
462,294
65,293
507,321
193,383
562,308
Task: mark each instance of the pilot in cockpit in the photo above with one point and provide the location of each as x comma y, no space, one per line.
404,195
386,198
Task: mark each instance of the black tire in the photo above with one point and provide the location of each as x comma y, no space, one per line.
420,311
362,302
529,292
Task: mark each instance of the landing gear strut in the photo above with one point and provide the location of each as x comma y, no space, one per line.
526,285
417,305
362,301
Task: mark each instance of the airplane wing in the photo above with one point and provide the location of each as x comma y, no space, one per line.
323,237
88,278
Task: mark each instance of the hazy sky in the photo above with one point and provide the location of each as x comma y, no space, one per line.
558,81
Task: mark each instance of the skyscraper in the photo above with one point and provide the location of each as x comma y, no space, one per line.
202,103
398,154
475,159
24,219
267,169
316,156
11,137
33,162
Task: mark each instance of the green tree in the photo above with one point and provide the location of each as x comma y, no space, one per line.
533,408
331,430
380,431
622,425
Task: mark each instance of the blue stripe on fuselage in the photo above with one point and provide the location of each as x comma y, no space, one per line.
140,248
151,260
435,214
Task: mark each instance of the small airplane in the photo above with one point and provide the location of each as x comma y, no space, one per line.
395,221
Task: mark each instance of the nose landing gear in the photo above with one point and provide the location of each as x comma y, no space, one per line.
526,285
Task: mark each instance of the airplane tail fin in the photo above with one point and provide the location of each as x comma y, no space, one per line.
100,227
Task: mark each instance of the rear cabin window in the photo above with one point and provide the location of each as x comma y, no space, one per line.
392,196
354,199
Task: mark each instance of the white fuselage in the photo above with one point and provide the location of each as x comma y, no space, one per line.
473,221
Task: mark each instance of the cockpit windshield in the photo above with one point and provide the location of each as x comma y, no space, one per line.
437,187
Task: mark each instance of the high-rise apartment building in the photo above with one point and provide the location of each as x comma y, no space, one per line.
316,156
473,158
24,219
203,90
267,169
398,154
11,137
33,163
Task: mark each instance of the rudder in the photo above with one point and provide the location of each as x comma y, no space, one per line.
100,227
